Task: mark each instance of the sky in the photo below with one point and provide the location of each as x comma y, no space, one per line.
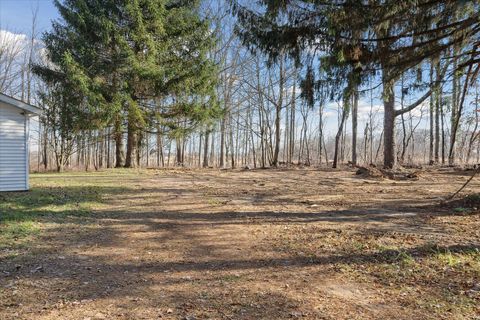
16,15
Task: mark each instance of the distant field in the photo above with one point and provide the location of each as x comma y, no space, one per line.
258,244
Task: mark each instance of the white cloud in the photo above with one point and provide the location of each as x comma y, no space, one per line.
11,43
14,57
12,37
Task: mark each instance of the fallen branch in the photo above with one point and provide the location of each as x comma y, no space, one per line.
477,170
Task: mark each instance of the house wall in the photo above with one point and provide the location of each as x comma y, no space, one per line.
13,149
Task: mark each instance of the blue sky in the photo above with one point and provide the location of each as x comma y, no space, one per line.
16,15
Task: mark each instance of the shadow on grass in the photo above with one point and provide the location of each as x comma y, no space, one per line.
52,202
21,211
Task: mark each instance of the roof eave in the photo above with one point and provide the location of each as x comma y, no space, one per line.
28,108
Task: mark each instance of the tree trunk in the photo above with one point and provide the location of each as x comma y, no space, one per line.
119,146
45,147
431,160
320,133
459,111
138,150
205,148
451,152
337,139
222,142
108,137
178,157
277,137
388,124
132,143
278,111
437,125
292,130
354,126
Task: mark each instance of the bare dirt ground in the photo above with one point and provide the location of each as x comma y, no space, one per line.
258,244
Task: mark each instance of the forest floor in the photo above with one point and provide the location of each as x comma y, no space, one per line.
257,244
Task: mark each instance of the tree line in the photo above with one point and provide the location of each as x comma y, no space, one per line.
158,83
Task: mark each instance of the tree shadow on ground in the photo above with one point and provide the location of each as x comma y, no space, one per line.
82,254
46,203
84,277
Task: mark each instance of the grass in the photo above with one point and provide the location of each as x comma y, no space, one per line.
231,278
52,198
14,234
438,279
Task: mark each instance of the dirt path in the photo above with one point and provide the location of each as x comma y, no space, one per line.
247,245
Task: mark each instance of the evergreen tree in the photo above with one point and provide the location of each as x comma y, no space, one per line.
358,37
128,56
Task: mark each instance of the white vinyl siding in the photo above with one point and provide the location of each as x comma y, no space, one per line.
13,149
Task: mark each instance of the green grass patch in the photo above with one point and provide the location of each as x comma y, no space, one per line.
14,233
231,277
20,213
52,198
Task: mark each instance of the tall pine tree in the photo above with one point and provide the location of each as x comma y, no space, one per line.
129,55
349,36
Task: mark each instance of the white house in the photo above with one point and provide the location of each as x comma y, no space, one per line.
14,153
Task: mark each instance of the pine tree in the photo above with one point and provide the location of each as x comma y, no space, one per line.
129,55
344,36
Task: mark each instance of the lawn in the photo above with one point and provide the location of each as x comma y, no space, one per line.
256,244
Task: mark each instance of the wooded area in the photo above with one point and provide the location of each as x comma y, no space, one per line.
234,84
